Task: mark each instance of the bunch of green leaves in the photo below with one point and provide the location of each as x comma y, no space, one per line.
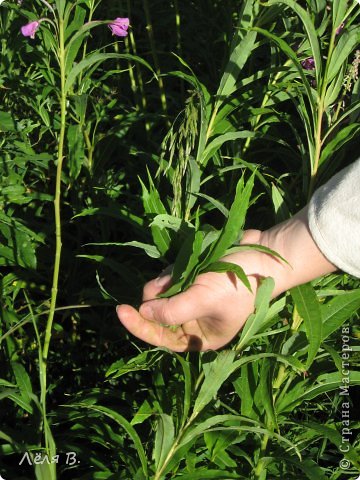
224,415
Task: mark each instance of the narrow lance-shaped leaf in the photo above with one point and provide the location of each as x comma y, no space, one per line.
289,52
219,371
348,41
341,138
225,267
150,250
215,144
325,383
130,430
256,320
308,307
266,393
154,206
234,224
164,438
97,58
339,310
185,263
310,31
237,60
23,382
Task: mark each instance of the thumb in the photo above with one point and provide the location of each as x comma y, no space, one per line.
179,309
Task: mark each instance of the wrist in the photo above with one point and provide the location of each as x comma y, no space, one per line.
292,240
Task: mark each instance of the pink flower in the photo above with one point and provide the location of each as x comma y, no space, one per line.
119,27
30,29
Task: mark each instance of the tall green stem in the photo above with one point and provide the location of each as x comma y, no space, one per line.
150,31
259,469
57,201
319,119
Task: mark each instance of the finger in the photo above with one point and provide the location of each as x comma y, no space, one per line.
153,288
181,308
155,334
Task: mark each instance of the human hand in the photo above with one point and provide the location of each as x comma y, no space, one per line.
206,316
210,313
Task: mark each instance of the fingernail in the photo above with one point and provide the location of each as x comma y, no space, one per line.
162,280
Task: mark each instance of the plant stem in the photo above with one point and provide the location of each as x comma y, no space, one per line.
58,245
150,31
260,465
319,118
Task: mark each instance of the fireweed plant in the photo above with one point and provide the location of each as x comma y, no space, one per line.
64,32
256,134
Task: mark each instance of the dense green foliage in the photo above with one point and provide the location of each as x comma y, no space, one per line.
157,148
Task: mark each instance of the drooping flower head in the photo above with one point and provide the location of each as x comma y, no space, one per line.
119,27
340,28
30,29
308,63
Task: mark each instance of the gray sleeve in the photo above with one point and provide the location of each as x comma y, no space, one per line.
334,219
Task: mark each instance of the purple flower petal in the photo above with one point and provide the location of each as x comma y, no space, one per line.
308,63
119,27
30,29
340,28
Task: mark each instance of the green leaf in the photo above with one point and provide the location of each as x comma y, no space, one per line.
324,383
153,206
184,268
308,307
215,203
289,52
205,474
150,250
164,439
220,369
341,138
193,176
238,58
256,320
215,144
338,310
171,222
266,392
186,366
217,443
309,467
281,210
130,430
7,123
333,92
76,32
339,8
143,361
335,437
76,147
144,412
24,384
349,39
310,31
97,58
224,267
234,224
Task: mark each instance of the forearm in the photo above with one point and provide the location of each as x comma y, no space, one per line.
292,239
